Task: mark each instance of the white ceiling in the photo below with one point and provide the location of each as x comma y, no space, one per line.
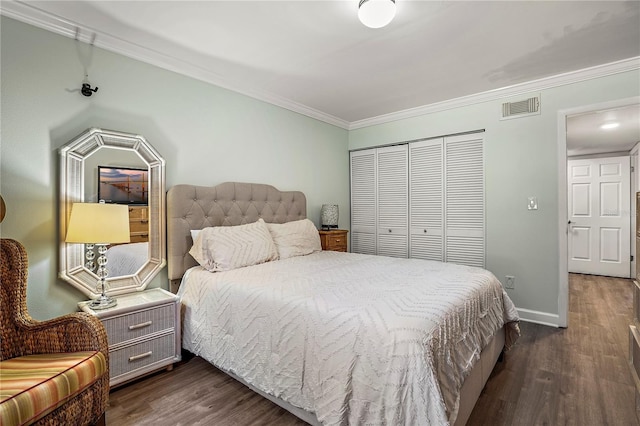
316,55
585,136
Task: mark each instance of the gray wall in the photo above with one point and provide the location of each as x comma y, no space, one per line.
207,135
521,160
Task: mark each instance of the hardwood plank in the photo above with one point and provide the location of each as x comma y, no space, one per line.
575,376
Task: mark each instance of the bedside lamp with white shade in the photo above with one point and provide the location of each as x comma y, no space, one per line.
98,224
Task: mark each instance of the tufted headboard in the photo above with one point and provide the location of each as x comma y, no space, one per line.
230,203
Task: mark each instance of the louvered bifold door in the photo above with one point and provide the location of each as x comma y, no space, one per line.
464,204
363,201
426,200
393,205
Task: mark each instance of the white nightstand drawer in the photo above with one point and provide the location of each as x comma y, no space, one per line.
126,327
128,359
143,331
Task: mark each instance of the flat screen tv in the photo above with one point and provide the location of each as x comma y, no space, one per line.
122,185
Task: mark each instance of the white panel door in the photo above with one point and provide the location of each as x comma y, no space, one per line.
464,200
393,200
363,201
426,195
599,216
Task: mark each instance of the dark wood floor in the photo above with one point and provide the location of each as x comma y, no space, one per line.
574,376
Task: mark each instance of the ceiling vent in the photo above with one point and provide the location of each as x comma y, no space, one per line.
522,108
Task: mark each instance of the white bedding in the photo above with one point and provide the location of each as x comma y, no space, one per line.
356,339
126,259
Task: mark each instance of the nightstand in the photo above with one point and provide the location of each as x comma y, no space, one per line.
143,330
334,239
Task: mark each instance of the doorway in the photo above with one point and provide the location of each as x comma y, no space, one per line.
599,200
596,146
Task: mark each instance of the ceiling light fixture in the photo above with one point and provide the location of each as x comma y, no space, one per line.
609,126
376,13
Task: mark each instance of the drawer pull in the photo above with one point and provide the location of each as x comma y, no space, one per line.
137,357
141,325
337,241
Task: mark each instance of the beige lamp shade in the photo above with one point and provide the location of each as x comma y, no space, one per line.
98,223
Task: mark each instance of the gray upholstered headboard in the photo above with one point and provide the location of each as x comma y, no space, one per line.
230,203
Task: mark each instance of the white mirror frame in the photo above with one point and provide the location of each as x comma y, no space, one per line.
72,256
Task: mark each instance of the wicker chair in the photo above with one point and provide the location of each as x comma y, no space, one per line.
22,336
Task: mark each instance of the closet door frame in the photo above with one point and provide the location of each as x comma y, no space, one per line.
459,243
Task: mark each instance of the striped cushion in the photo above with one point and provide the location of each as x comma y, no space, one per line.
34,385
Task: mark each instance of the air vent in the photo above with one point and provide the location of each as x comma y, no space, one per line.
522,108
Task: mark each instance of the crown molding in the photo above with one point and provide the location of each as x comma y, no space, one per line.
33,16
505,92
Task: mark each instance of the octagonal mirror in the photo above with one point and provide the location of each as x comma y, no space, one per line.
120,168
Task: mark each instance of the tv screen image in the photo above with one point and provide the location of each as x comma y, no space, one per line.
121,185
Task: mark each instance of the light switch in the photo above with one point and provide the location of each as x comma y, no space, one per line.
533,203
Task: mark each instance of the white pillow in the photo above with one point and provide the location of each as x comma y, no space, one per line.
194,234
296,238
222,248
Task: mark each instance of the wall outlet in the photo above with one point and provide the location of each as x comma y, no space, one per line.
510,282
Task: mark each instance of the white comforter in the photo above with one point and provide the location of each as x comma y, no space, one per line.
126,259
356,339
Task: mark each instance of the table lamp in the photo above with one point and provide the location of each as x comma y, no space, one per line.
329,216
98,224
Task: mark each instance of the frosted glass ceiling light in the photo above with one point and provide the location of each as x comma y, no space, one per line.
376,13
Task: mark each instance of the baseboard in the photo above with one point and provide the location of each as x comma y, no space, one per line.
538,317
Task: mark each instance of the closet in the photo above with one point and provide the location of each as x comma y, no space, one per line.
422,199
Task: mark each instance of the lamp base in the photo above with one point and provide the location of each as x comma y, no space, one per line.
329,227
103,302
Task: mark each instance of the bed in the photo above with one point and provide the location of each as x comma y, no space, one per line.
335,338
126,259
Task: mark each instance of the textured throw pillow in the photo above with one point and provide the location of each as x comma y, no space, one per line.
222,248
295,238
